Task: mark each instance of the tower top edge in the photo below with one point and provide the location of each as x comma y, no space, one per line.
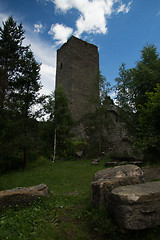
73,39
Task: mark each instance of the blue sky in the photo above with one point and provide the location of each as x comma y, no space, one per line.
120,29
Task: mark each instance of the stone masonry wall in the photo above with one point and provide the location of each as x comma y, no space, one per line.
77,69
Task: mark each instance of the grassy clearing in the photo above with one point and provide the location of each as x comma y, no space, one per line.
68,214
58,217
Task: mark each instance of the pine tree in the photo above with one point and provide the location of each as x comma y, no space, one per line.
11,37
133,87
133,83
20,84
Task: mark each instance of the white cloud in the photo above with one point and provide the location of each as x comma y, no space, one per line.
122,8
125,8
47,78
60,33
158,13
64,5
3,18
92,19
46,55
38,27
93,14
112,95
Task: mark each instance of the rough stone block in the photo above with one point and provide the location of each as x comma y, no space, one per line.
108,179
129,170
101,189
23,196
136,207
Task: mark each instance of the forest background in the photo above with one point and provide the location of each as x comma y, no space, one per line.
26,133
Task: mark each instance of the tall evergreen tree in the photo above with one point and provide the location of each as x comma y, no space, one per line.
132,87
3,86
133,83
11,38
20,84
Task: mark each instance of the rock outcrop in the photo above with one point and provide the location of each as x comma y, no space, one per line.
23,196
136,207
108,179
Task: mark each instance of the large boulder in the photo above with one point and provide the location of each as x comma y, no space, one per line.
136,207
23,196
108,179
129,170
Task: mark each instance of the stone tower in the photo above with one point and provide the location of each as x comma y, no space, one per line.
77,71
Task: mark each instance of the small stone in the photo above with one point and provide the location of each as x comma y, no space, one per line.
79,154
111,164
95,161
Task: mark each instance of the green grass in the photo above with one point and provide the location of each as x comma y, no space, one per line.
54,218
68,214
60,177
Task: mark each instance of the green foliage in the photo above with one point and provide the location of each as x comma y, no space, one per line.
134,86
3,86
150,125
46,138
100,89
49,106
63,123
55,132
104,88
11,37
19,85
125,92
96,123
47,127
80,145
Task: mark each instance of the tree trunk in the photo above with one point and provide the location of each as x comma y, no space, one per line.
24,157
54,147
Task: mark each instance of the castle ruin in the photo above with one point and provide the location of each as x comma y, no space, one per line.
77,71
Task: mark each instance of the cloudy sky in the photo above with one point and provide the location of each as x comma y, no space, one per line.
120,29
